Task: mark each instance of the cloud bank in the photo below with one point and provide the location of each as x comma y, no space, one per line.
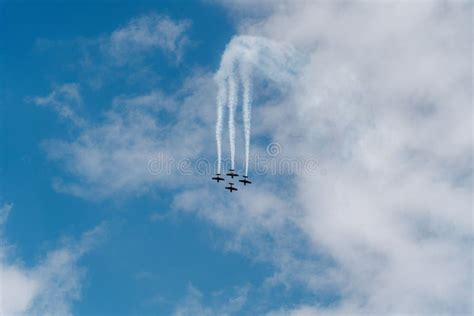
384,102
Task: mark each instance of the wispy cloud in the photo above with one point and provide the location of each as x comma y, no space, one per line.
128,53
146,33
194,303
113,156
52,285
65,100
154,100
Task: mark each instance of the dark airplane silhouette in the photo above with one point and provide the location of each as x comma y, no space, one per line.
231,187
218,177
232,173
245,180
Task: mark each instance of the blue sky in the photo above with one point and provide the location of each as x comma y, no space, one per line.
93,93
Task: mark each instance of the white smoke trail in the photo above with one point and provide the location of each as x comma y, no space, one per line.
232,103
256,58
221,99
245,77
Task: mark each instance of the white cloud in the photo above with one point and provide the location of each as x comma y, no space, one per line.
129,54
146,33
114,156
194,303
65,100
48,288
155,100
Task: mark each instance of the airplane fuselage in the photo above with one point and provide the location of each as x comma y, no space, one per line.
231,187
245,180
232,173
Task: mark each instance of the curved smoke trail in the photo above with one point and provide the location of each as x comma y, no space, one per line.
256,57
246,108
221,99
232,103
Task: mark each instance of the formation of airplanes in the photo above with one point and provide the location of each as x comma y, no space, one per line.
232,174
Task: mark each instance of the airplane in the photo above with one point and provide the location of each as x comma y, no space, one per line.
231,187
245,180
232,173
218,177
